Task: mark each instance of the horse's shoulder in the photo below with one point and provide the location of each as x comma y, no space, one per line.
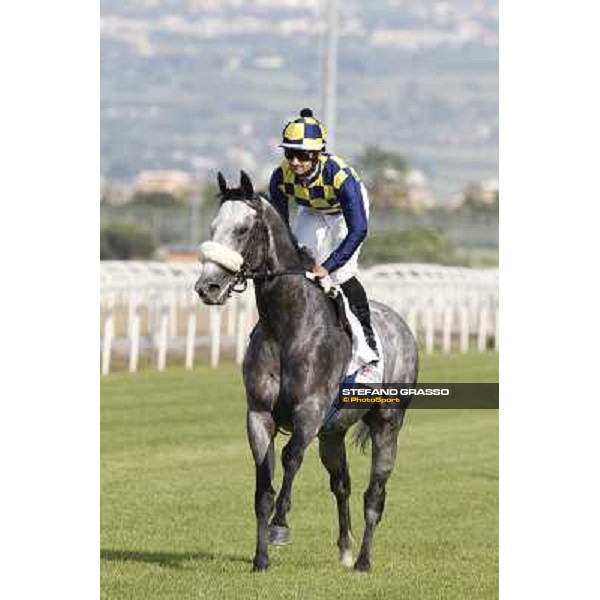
259,349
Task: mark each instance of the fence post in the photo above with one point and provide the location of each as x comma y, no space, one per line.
190,341
173,308
447,329
464,329
243,316
483,327
153,319
134,332
429,330
109,331
131,309
232,314
412,320
161,359
215,335
496,330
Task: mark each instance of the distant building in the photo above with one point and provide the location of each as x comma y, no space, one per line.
418,197
176,183
483,194
489,191
177,254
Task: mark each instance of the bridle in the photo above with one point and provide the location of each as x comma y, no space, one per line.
259,238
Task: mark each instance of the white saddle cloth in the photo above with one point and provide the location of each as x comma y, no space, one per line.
362,353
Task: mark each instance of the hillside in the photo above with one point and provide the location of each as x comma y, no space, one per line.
200,85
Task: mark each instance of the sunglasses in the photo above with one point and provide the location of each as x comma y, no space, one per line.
301,155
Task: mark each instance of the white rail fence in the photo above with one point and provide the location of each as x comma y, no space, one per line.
150,309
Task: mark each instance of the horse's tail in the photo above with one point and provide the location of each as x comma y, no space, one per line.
361,436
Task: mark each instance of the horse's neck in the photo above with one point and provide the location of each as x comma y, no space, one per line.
285,302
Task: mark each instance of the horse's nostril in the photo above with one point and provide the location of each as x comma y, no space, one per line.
202,289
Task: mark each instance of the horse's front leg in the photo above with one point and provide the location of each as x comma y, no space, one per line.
306,424
261,431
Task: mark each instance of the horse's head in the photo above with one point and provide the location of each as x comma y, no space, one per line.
235,247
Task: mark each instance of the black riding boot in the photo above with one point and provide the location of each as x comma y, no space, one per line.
357,298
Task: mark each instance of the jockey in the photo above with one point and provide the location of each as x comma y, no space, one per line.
333,208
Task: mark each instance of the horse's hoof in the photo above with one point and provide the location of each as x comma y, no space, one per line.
279,535
346,558
261,563
362,565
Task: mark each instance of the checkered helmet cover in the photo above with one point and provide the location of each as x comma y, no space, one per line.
304,132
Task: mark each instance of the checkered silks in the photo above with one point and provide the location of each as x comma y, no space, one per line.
322,193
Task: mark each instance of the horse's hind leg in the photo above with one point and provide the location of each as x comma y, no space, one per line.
384,442
306,424
261,431
332,450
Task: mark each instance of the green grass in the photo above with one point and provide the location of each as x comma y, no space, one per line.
177,519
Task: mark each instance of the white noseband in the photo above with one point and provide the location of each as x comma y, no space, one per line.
222,255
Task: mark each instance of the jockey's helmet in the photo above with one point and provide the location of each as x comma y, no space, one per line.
304,133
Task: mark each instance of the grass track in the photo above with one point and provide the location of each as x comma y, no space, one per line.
177,519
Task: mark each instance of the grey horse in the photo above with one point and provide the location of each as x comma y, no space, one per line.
295,361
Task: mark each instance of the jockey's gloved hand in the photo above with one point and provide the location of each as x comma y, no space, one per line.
320,271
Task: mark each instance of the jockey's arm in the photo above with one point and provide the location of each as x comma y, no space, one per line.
353,208
278,198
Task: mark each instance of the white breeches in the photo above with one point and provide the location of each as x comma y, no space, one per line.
322,234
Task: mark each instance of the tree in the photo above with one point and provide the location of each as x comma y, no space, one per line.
122,241
412,245
384,173
159,199
210,196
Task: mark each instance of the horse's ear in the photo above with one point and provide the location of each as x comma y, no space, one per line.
246,184
222,183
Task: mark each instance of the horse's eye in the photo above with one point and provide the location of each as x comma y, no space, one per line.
241,230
